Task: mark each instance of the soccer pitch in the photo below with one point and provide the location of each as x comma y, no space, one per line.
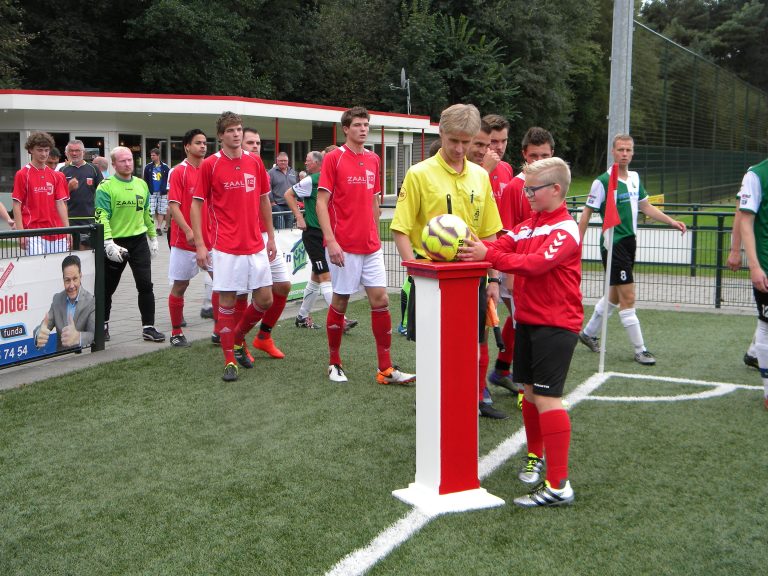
154,466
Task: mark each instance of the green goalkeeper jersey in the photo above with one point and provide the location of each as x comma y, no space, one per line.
122,206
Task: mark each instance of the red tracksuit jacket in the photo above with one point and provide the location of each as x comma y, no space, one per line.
544,254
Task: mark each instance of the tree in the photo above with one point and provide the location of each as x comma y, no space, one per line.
13,41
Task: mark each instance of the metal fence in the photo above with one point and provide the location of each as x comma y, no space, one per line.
672,269
697,127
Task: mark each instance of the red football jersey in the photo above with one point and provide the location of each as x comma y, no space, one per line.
352,180
181,186
500,179
38,190
519,206
232,190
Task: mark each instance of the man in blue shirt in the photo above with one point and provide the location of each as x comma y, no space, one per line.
156,177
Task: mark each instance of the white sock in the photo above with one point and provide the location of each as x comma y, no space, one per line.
751,350
761,348
327,290
208,291
595,324
632,325
310,295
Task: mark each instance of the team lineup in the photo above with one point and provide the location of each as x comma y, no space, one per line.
221,223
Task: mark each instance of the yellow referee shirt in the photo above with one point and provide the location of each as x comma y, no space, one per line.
430,185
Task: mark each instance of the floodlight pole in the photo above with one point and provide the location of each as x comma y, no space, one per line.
618,120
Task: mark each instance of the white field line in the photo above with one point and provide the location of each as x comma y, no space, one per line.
363,559
714,390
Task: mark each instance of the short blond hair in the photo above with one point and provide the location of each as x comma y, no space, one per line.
554,169
116,149
460,118
622,137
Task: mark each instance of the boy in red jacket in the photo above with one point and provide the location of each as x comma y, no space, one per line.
544,254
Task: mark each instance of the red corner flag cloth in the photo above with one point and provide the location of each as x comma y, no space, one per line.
611,216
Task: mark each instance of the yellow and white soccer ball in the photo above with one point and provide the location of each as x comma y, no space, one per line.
443,236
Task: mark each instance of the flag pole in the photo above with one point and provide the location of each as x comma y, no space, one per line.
606,292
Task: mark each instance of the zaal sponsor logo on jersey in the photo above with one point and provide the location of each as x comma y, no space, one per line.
369,180
46,188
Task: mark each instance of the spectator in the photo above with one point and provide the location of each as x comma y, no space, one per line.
122,206
72,313
281,177
156,177
40,198
82,180
103,165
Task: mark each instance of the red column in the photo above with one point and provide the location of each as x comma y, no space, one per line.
447,355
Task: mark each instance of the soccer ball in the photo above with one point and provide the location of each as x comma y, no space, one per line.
443,236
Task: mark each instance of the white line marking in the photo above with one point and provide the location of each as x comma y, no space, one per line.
718,389
363,559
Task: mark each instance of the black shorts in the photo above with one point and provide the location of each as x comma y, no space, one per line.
761,299
542,358
313,244
623,260
481,302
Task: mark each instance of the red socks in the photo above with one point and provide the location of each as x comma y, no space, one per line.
381,323
226,326
176,311
556,432
272,315
532,428
334,328
248,320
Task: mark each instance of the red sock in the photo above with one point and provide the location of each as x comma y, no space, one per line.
532,429
334,328
227,333
176,311
272,315
556,432
482,368
508,335
215,304
241,303
248,320
381,323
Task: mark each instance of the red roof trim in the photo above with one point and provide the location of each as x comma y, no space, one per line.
196,97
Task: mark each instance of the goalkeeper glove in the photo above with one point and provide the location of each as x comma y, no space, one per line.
153,247
114,252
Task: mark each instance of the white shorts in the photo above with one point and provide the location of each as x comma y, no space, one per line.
235,273
365,269
37,245
279,268
182,264
158,203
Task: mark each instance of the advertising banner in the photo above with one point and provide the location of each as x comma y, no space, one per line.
44,310
290,244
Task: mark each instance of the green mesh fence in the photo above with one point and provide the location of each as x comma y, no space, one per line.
697,127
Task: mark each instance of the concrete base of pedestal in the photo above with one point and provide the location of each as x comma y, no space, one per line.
432,503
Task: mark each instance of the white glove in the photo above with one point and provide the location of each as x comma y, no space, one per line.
114,252
153,248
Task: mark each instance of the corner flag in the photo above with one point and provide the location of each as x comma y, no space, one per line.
611,216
